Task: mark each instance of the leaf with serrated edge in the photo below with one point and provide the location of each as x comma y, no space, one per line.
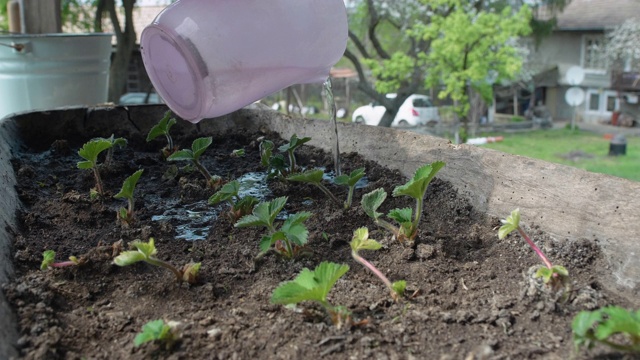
511,223
200,145
181,155
417,186
310,285
227,192
361,241
129,186
310,176
371,202
401,215
48,257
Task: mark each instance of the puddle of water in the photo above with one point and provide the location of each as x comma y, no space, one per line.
192,221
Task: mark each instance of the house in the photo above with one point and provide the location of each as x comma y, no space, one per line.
579,40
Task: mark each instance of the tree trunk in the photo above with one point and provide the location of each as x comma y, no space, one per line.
126,41
387,118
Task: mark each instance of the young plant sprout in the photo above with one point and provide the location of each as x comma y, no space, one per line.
289,240
162,128
613,326
146,252
275,164
350,181
49,258
361,241
238,153
314,286
119,142
240,206
197,149
156,330
554,275
408,219
90,152
290,147
126,215
314,177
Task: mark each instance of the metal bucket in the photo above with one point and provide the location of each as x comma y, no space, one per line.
48,71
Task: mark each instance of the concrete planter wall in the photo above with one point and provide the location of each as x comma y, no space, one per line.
567,203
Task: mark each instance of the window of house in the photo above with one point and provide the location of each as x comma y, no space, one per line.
593,52
594,101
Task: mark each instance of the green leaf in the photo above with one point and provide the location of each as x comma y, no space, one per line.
618,320
91,150
401,215
162,128
226,193
294,229
146,248
399,287
371,202
153,330
129,186
127,258
85,165
190,272
267,241
181,155
266,151
200,145
310,285
313,176
294,142
264,214
582,326
361,241
351,179
238,153
511,223
48,257
417,186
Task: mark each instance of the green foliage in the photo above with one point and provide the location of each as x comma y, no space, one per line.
290,147
512,222
90,151
313,286
162,128
146,252
155,330
289,240
613,326
198,147
314,177
240,206
469,45
48,257
128,186
350,180
119,142
372,201
361,241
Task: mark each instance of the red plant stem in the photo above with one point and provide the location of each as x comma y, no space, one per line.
535,248
63,264
373,269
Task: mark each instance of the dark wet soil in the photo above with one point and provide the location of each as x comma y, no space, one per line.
469,295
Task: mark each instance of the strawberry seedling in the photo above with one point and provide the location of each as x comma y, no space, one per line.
292,236
126,215
316,176
49,258
146,252
554,275
156,330
240,206
90,152
162,128
314,286
407,218
198,147
613,326
361,241
119,142
290,147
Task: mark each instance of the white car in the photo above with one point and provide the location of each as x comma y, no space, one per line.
416,110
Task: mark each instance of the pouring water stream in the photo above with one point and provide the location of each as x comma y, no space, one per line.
331,104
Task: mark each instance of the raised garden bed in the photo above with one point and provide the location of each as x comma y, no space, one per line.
469,294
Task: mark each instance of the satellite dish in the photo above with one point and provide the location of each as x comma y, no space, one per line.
575,75
574,96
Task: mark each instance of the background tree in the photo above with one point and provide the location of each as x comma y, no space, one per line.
471,49
623,45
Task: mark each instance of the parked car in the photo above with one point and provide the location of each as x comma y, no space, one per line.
136,98
416,110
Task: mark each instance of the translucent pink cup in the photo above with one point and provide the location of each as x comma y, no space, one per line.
210,58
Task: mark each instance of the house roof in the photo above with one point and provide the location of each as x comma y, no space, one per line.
597,14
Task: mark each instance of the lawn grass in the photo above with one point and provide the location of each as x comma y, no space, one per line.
591,150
